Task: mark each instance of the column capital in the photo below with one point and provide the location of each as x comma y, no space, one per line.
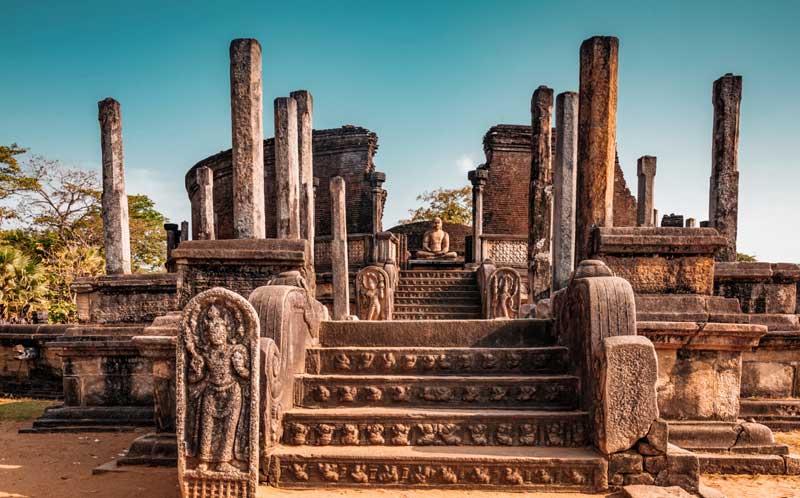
646,166
478,176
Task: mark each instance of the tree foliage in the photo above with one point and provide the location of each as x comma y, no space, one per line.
745,258
58,225
451,205
23,287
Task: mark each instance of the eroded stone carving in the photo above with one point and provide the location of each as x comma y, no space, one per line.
478,433
325,434
375,434
218,396
373,294
502,294
504,434
400,434
350,434
298,433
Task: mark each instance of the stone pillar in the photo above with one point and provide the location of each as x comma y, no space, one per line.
655,217
305,129
184,230
248,140
376,179
597,136
339,263
646,172
205,197
116,232
478,179
173,238
723,206
564,178
540,194
287,168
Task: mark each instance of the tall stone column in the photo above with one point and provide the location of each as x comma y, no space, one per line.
287,168
597,136
540,194
376,179
305,147
184,230
248,140
723,206
478,179
564,178
339,263
205,198
116,231
646,173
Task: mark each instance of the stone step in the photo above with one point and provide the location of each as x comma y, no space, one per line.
419,427
777,414
442,333
438,274
437,308
435,288
465,467
411,294
750,464
423,279
437,301
547,392
438,361
76,429
437,316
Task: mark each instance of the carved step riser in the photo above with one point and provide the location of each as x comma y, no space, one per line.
438,281
550,394
436,316
565,432
422,309
436,289
438,274
467,361
443,295
301,472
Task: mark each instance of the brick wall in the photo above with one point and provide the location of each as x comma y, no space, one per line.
345,151
505,202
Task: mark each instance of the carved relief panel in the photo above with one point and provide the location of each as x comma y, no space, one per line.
374,300
503,292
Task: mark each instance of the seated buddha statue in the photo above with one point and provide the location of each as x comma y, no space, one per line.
436,243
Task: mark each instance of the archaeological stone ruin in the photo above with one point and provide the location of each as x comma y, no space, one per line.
567,340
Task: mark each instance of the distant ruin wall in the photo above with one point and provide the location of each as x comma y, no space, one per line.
345,152
505,202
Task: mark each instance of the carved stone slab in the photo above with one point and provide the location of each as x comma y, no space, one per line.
373,294
503,291
217,390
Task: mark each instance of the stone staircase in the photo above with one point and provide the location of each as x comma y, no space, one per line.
437,295
484,404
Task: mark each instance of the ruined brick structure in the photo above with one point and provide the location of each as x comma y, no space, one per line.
508,160
345,152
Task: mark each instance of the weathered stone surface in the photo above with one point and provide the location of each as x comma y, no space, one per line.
564,182
683,469
478,179
723,206
768,379
339,259
658,435
540,194
127,299
664,275
628,373
248,135
759,287
374,294
502,294
655,464
287,169
650,491
305,128
204,229
218,374
116,232
687,379
646,172
597,135
627,462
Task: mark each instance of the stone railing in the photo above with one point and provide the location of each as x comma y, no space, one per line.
505,250
116,299
359,251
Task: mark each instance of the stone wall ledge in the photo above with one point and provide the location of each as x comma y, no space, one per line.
777,322
33,331
90,347
656,240
783,273
701,335
288,250
140,282
780,341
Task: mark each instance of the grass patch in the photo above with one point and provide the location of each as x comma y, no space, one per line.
21,409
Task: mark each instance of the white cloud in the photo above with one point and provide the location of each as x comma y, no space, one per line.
465,163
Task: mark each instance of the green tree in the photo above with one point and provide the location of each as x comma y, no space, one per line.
63,267
451,205
745,258
23,287
12,178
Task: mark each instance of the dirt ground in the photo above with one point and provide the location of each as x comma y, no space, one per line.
60,466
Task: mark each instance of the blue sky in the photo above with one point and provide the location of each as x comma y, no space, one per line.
429,77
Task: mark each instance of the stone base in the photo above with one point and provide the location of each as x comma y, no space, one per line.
777,414
488,468
92,419
155,450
